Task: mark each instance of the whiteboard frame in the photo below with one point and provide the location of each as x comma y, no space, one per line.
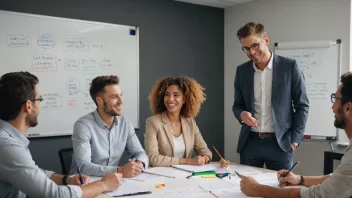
317,44
136,28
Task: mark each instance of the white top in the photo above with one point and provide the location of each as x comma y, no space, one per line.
180,148
263,81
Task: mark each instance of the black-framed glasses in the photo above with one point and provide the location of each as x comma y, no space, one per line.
333,98
40,99
254,46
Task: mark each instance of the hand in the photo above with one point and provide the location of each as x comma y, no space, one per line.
249,186
293,146
247,118
131,169
207,158
224,163
198,160
112,181
290,179
140,162
74,180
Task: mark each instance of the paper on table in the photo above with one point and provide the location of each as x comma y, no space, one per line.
126,188
188,192
273,183
228,193
244,170
144,177
168,171
234,180
265,176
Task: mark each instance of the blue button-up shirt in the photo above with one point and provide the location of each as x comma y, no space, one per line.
98,148
19,175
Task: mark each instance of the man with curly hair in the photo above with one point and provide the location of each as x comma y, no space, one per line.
271,103
172,133
100,137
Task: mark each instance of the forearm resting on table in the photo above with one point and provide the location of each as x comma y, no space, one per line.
93,189
314,180
268,191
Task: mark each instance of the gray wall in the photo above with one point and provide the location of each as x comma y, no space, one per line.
175,39
285,21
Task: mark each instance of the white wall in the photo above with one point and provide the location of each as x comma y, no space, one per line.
284,21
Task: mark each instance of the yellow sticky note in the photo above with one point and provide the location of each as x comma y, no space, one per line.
208,176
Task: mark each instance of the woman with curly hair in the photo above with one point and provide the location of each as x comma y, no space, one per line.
172,133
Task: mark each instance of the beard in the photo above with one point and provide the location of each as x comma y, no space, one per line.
340,123
109,109
32,120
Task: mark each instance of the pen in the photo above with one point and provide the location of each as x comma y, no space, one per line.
290,169
224,175
237,174
143,171
80,176
216,150
208,191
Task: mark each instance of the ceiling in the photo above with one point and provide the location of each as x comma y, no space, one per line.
216,3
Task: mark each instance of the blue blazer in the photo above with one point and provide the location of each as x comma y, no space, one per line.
289,100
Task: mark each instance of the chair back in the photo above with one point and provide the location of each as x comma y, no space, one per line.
66,155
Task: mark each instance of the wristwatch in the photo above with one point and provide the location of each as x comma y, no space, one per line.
301,181
64,178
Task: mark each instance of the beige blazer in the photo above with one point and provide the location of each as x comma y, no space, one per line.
159,144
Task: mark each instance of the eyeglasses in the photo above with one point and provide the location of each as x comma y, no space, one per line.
40,99
254,46
333,98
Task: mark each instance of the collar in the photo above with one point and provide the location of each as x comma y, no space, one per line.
13,132
100,121
270,64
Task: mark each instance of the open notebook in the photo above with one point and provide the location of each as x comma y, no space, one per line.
125,189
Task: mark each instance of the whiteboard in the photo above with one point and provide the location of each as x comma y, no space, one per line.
65,55
320,64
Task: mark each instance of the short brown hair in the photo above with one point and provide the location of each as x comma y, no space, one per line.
250,29
99,83
346,89
192,90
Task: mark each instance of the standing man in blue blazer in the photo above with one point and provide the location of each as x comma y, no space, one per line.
271,103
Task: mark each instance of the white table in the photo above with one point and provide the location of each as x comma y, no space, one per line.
179,182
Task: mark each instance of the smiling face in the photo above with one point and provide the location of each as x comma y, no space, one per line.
256,47
173,99
111,100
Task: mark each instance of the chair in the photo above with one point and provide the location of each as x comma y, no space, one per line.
66,155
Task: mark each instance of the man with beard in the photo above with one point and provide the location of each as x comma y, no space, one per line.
336,185
271,103
100,137
19,175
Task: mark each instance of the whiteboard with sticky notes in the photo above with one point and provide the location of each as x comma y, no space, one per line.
66,54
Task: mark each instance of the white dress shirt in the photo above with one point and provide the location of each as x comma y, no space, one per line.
180,148
263,81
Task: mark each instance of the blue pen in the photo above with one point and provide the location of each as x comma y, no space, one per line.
224,175
80,176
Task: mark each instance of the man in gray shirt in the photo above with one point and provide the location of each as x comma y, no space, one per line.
339,184
19,175
100,137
